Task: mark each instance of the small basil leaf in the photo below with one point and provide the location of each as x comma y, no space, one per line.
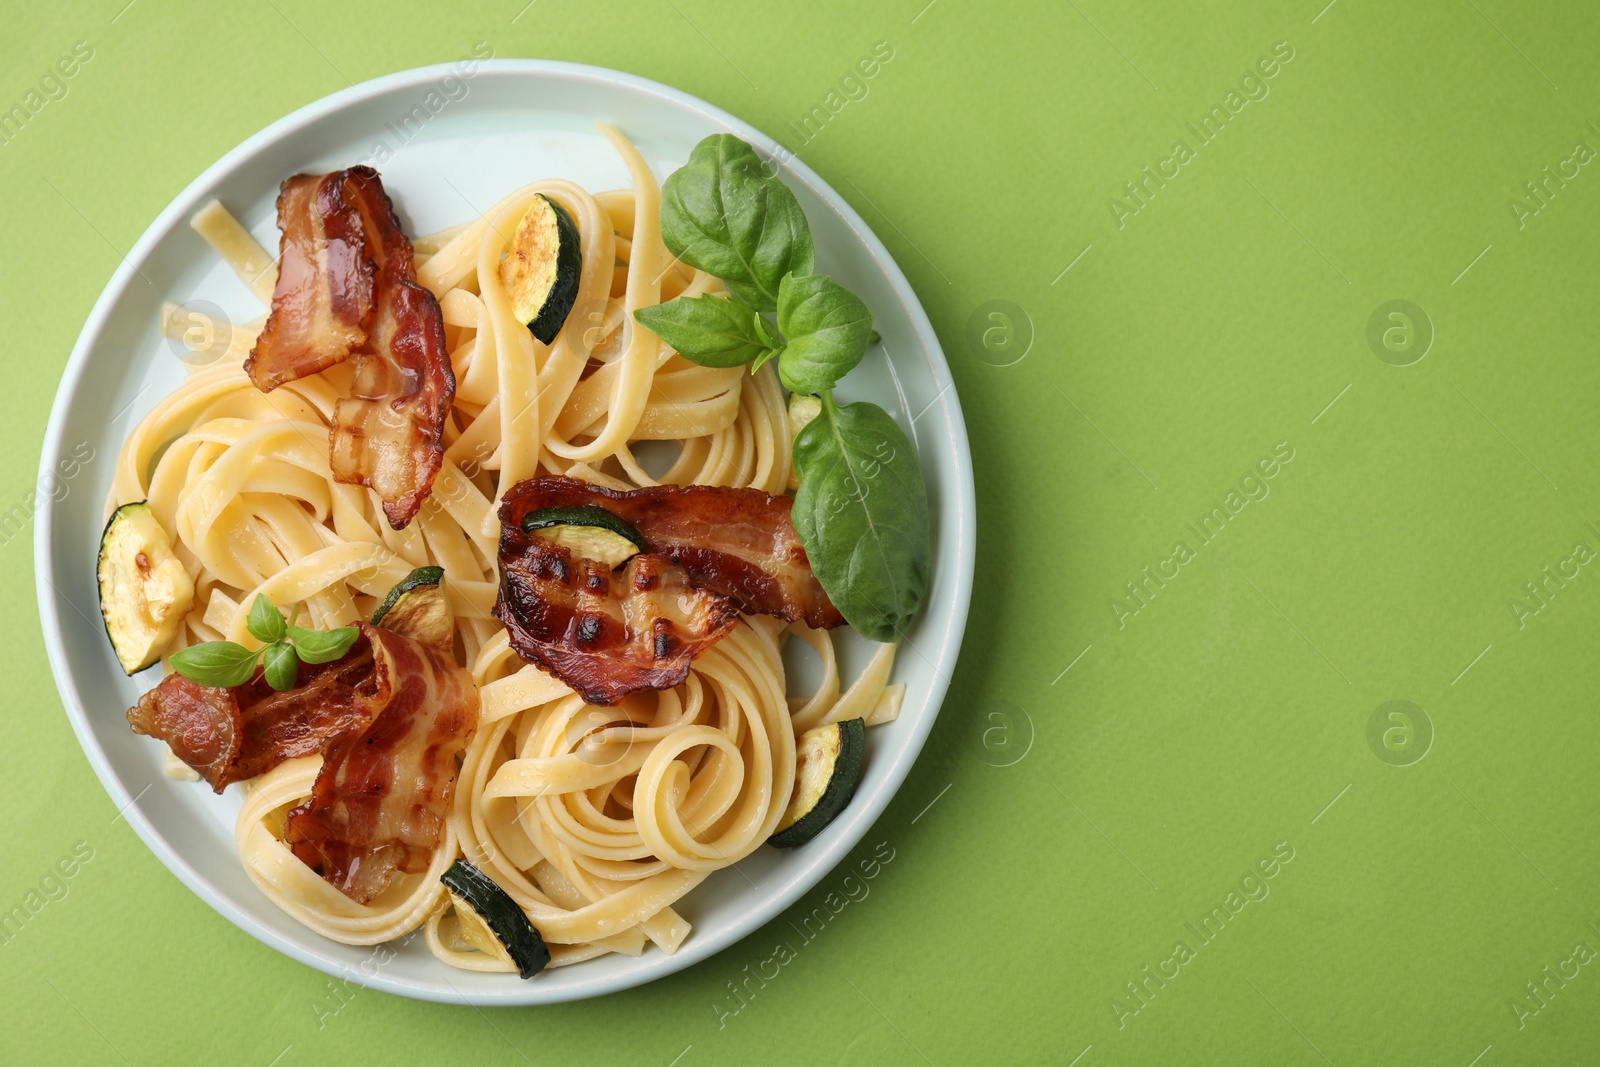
771,353
265,622
281,666
766,331
322,646
862,514
721,212
216,663
707,330
827,327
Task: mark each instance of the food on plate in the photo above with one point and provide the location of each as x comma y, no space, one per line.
472,561
829,759
493,922
735,541
417,606
696,557
145,591
347,285
542,267
588,530
380,801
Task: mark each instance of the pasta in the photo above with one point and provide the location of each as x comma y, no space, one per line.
596,820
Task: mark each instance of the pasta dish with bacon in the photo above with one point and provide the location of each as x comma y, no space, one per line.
416,593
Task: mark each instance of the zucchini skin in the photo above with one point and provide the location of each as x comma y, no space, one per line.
841,788
104,621
581,515
503,915
569,272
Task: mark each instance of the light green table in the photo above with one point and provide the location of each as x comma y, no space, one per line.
1113,762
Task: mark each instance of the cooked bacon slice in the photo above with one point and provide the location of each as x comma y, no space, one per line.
380,801
347,283
390,717
389,434
231,735
737,542
605,633
325,283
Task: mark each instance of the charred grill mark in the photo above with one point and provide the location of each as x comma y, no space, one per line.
590,629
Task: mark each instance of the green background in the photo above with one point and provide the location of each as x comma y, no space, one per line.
1080,818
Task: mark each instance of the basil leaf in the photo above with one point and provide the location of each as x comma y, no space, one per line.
281,666
322,646
827,327
722,213
216,663
709,330
862,515
265,622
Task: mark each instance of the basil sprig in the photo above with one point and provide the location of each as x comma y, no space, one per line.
285,646
861,510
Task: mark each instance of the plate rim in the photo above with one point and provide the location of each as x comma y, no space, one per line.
952,629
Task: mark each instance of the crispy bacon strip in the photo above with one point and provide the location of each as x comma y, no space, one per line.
388,435
737,542
324,293
347,283
605,633
231,735
390,717
380,801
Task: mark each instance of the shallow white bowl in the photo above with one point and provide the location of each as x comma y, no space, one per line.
445,159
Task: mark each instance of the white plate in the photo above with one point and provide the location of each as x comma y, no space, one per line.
448,158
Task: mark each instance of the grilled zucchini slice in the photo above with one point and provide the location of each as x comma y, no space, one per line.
144,590
828,760
494,923
542,267
803,407
417,608
588,531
